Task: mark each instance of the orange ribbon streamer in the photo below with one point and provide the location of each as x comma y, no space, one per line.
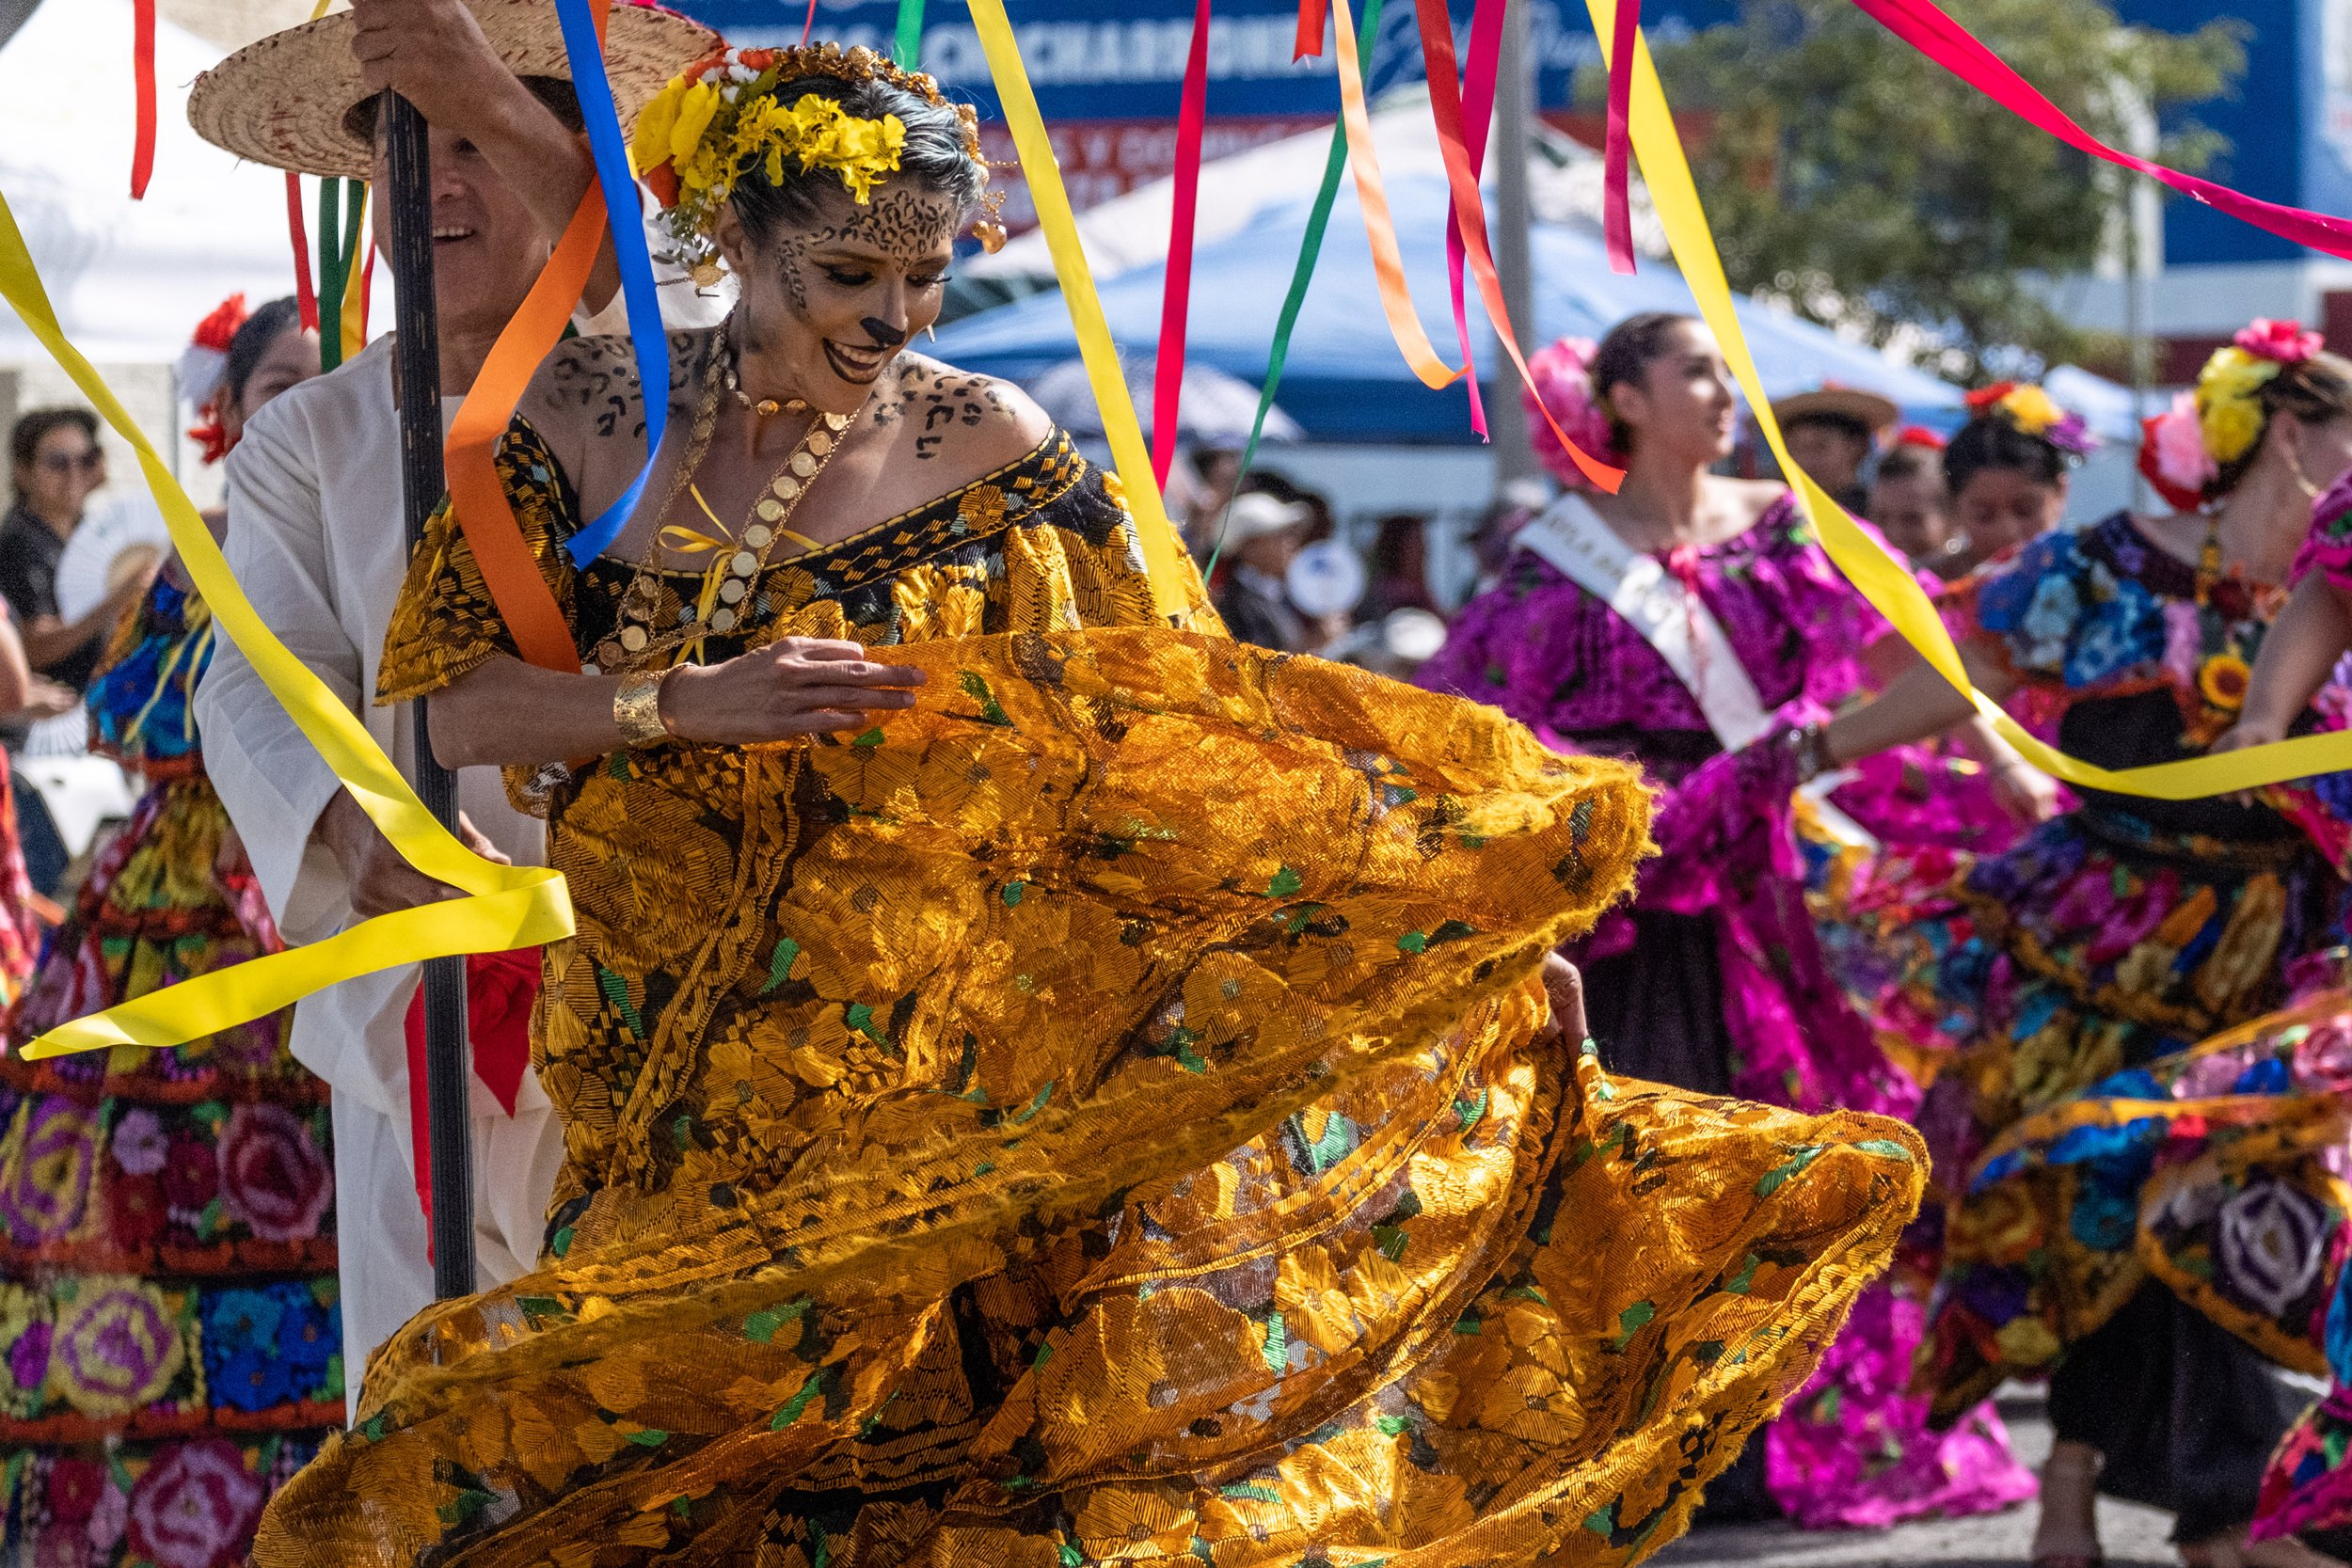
1372,195
484,513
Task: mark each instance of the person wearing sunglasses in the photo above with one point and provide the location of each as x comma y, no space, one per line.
57,465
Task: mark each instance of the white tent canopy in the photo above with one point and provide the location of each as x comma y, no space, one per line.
130,279
1565,186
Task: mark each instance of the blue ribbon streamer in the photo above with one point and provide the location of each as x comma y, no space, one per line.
623,212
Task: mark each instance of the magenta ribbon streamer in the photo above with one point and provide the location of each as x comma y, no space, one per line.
1616,212
1925,28
1168,383
810,25
1478,113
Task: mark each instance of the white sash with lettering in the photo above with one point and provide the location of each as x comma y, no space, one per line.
1570,536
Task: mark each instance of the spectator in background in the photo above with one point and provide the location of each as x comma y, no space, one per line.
1215,473
1400,567
1831,431
57,465
1909,504
2008,470
1262,536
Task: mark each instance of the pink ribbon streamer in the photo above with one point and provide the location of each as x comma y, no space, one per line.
1925,28
1168,382
1616,212
1478,113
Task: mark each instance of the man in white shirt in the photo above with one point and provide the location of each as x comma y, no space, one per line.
317,539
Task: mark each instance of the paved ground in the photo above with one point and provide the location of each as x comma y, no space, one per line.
2133,1537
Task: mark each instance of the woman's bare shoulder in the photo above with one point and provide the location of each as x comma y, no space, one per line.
960,424
1752,498
589,388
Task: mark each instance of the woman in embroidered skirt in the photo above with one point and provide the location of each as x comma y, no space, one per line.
1079,1091
168,1317
2008,469
2061,979
1713,980
2309,1484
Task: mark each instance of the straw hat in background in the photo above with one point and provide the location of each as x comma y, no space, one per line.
1851,406
287,101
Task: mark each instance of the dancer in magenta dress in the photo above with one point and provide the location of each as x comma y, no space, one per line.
1713,979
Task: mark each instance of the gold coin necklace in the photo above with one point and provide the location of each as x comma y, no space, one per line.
718,607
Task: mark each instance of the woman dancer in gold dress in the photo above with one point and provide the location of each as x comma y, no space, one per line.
1080,1090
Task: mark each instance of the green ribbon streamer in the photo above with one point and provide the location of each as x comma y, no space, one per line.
1309,252
333,276
339,260
908,48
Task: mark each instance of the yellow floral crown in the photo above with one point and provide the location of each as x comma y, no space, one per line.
725,117
2229,414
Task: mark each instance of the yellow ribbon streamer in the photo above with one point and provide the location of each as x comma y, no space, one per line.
354,322
507,907
1095,346
1882,579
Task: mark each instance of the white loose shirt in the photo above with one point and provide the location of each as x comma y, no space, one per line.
317,540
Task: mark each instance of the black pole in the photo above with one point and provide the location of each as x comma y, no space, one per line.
408,203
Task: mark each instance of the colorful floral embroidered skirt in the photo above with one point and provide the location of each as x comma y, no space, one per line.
2076,973
1201,1185
169,1343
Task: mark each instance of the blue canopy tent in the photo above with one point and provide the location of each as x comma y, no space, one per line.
1346,381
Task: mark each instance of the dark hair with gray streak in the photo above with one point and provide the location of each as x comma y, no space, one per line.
935,155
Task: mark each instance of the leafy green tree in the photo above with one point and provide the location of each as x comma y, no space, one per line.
1847,175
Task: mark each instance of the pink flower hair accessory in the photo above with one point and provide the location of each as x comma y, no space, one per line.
2282,342
1563,373
2173,455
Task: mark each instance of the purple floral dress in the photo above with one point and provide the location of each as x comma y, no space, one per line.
1714,978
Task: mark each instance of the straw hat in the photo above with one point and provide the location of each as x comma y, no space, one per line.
1870,411
284,99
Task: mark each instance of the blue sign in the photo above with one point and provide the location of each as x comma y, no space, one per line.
1124,59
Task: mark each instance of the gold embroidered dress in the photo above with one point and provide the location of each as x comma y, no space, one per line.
1100,1114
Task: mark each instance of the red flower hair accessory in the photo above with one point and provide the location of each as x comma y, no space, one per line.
202,365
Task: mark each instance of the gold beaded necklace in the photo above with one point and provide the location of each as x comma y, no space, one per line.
727,582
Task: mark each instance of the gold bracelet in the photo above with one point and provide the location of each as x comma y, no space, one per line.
637,709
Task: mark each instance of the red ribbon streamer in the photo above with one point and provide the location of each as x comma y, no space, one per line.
1176,296
1311,17
1445,103
500,989
1616,212
306,293
1925,28
810,25
143,87
1478,109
